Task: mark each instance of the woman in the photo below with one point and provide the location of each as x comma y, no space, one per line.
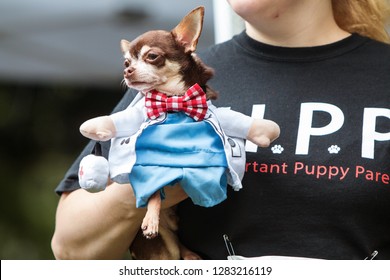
322,189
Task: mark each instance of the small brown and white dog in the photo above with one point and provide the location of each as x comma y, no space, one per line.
165,61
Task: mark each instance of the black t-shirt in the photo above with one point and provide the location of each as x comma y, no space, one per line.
322,189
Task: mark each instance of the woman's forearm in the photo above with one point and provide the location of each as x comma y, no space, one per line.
100,225
96,225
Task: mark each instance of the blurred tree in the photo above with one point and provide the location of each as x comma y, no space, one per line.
39,140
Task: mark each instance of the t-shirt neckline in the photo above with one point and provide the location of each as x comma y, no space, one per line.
299,54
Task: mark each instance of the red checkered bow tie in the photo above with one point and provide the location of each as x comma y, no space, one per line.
193,103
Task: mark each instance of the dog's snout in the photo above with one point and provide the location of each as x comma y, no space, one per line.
128,68
128,71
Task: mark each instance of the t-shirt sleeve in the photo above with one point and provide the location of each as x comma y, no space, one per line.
70,182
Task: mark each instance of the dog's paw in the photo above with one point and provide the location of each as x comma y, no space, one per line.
150,225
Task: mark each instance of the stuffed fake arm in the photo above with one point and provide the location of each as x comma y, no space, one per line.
123,123
129,121
94,168
99,128
259,131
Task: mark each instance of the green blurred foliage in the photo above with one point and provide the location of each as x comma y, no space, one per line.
39,140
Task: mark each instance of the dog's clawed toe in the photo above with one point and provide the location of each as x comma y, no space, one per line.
150,235
150,225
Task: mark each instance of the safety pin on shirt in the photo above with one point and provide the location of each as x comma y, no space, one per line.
229,245
372,256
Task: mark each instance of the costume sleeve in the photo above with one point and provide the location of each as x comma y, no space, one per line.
233,123
128,121
70,182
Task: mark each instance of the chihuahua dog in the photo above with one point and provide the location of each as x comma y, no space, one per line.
164,61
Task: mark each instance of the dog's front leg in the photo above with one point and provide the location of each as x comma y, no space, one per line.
152,218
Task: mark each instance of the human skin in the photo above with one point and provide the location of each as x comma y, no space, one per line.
101,225
289,23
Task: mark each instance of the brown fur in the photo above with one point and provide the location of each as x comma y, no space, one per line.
193,70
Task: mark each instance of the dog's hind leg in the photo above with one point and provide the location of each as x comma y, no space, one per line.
151,220
187,254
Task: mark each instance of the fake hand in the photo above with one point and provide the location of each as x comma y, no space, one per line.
93,173
263,132
99,129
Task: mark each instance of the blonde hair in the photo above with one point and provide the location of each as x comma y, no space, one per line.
365,17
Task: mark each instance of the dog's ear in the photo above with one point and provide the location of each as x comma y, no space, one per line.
187,32
125,46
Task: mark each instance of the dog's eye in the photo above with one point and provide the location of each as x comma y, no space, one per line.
126,63
152,56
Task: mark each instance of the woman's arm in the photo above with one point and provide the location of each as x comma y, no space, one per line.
100,225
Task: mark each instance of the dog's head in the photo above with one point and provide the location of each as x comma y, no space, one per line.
164,60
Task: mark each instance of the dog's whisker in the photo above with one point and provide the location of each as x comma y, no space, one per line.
123,84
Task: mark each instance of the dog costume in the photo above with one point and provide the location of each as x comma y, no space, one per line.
157,147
